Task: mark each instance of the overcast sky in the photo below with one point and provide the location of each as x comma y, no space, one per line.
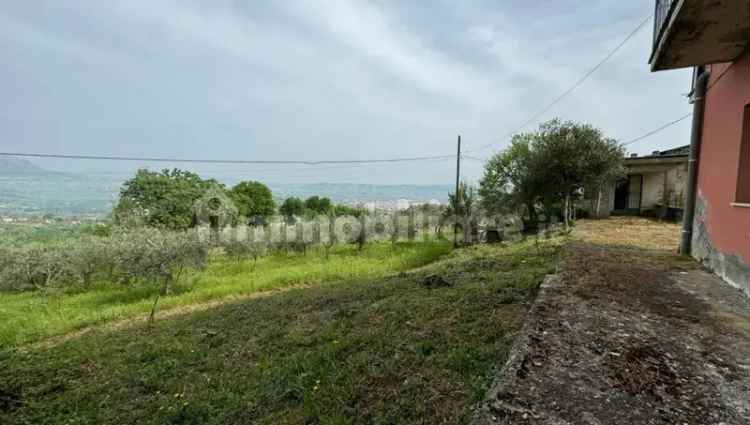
321,79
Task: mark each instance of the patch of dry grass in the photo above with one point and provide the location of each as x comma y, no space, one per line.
634,232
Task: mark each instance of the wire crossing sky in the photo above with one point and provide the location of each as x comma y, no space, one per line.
323,82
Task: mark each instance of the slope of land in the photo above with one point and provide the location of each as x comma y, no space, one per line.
415,346
18,166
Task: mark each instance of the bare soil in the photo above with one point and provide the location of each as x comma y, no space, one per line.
628,333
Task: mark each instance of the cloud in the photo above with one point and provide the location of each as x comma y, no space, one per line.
321,79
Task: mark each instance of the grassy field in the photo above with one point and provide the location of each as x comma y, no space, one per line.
31,316
362,342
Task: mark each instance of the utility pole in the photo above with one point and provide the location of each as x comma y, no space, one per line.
456,194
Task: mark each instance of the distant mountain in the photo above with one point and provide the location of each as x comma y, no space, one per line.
10,166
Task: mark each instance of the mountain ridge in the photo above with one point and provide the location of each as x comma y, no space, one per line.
18,166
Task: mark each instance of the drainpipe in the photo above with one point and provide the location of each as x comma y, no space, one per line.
699,103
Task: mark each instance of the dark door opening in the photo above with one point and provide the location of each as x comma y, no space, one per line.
621,194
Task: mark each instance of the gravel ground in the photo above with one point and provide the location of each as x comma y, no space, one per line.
627,333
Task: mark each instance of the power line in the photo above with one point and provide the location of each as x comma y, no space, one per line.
226,161
574,86
684,117
663,127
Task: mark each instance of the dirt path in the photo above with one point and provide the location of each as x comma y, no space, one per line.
630,333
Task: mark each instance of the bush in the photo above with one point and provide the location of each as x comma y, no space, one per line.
35,267
152,254
147,255
240,250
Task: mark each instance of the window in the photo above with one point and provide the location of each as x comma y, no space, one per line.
743,176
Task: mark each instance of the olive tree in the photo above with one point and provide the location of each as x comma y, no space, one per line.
549,165
35,267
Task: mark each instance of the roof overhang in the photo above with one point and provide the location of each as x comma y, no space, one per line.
700,32
654,164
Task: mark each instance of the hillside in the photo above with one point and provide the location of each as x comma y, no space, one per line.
18,166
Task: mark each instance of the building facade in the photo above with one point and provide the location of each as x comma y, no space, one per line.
654,186
714,38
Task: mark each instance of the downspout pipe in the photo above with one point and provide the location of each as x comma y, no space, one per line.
699,106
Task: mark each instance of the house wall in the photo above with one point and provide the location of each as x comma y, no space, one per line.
653,187
721,237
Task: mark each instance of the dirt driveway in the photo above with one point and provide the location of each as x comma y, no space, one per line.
629,333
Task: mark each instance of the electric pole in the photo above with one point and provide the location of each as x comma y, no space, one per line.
457,196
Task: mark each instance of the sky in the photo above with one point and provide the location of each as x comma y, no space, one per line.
322,79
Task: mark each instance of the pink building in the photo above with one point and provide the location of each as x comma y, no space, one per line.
713,36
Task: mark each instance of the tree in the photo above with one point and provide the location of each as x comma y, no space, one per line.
513,179
292,207
462,206
161,199
254,201
605,168
549,165
318,205
574,156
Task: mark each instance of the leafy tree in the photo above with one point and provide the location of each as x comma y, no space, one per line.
292,207
254,200
549,165
513,178
318,205
574,156
161,199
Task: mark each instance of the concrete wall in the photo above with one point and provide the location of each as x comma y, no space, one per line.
721,235
653,187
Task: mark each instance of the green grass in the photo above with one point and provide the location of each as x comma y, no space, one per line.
31,316
374,349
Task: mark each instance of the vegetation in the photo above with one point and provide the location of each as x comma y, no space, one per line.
127,256
318,205
161,199
345,210
544,169
361,342
254,201
292,207
463,203
31,315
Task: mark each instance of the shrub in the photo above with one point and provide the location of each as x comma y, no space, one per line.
35,267
240,250
152,254
90,257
